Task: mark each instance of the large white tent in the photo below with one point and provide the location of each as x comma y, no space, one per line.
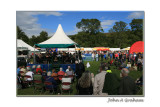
58,40
22,45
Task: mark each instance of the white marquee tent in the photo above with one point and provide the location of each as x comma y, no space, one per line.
58,40
22,45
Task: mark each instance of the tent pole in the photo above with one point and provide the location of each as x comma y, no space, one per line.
34,62
75,50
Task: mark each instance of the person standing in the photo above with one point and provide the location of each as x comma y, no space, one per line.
97,56
101,56
113,55
106,55
84,85
127,84
93,56
110,56
99,80
111,83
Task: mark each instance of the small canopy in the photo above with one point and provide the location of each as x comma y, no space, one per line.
137,47
22,45
114,49
101,48
58,40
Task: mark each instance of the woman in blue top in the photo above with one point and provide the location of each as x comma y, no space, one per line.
110,55
51,79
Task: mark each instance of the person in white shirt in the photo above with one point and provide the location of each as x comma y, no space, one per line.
68,68
129,65
29,73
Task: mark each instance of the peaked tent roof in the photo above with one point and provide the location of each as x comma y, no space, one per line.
22,44
58,40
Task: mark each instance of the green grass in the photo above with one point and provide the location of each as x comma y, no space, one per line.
94,66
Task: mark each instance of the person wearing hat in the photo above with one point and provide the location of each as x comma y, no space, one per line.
23,70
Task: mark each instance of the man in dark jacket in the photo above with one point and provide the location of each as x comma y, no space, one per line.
111,84
80,68
127,84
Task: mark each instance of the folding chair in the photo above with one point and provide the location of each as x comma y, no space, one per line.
60,76
55,78
66,85
38,86
46,84
72,77
19,86
26,81
21,73
66,89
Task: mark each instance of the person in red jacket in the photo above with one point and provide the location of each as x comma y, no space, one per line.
116,56
60,74
38,69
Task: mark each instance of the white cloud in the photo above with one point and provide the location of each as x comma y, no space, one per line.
75,31
28,23
135,15
107,23
47,13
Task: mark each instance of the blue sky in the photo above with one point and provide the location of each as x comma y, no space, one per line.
33,22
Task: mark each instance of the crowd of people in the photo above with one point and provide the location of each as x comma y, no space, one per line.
120,58
55,57
103,83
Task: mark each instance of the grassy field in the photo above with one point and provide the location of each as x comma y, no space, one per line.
93,68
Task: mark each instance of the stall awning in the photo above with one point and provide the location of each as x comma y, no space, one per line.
57,45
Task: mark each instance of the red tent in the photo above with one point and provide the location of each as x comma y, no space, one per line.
137,47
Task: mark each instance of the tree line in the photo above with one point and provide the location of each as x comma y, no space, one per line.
92,34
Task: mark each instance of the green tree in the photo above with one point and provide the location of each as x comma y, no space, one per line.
137,28
118,33
137,25
91,34
21,35
92,26
43,36
33,40
90,40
